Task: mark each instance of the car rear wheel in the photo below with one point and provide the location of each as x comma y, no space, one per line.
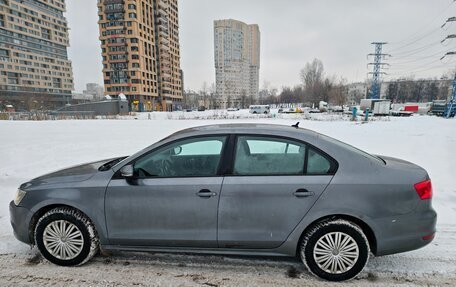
66,237
335,250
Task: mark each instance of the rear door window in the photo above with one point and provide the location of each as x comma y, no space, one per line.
268,156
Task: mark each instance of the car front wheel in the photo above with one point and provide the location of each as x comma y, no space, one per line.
335,250
66,237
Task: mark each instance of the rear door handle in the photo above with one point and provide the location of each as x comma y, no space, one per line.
206,193
302,192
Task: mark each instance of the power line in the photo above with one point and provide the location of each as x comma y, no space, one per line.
416,60
417,50
409,63
425,67
416,71
420,30
415,41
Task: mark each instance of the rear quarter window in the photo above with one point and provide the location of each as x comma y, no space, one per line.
317,163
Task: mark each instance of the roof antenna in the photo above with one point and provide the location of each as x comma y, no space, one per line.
296,125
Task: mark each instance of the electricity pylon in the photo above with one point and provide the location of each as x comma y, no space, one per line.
378,65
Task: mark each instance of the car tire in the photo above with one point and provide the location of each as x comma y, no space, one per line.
66,237
335,250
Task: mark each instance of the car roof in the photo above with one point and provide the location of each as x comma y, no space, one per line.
254,128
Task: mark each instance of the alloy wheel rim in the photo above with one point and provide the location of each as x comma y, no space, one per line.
336,252
63,240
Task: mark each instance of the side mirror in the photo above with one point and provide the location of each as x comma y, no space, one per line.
177,150
127,171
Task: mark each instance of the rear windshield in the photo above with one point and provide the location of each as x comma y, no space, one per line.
353,149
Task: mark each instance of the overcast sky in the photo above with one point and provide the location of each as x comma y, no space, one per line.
293,32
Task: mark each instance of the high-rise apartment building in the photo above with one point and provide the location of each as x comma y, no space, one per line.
237,63
35,72
141,55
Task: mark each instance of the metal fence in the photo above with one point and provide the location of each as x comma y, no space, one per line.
47,115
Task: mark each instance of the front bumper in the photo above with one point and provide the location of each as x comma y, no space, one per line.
19,217
406,232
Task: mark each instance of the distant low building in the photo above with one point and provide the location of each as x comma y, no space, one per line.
82,97
194,100
95,90
356,92
416,90
101,108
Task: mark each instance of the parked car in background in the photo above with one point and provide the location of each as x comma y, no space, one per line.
259,109
314,111
286,111
336,109
249,189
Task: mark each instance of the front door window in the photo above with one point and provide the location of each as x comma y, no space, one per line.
195,157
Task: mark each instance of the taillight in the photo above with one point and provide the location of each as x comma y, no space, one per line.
424,189
429,236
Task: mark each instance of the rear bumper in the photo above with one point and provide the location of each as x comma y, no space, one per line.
405,232
19,217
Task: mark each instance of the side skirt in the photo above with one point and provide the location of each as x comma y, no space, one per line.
220,251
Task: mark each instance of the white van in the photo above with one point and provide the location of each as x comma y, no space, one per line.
259,109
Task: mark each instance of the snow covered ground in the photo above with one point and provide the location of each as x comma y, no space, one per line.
29,149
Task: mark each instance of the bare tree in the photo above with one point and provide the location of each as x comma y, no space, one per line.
313,80
213,96
204,94
338,93
243,99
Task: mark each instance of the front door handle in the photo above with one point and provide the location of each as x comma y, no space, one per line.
302,192
206,193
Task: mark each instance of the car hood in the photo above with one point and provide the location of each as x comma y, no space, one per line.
72,174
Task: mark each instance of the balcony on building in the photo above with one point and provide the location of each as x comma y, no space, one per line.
163,4
166,74
164,41
165,61
165,53
165,68
163,31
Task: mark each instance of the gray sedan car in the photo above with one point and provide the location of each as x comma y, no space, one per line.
248,189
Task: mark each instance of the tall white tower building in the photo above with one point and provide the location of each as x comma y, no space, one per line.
237,62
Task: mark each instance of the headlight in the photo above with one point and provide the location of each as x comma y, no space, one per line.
19,196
